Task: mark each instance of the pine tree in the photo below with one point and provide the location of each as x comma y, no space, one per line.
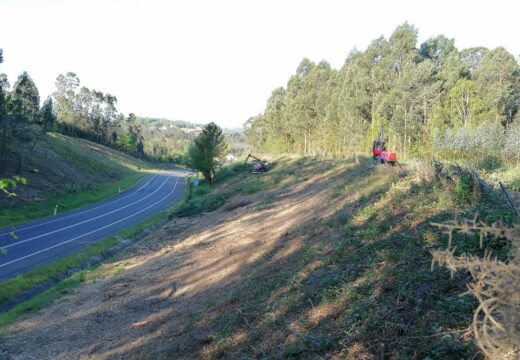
47,114
206,147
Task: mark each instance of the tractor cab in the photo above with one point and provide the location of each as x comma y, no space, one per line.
379,152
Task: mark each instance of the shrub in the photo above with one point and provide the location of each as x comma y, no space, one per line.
464,189
199,205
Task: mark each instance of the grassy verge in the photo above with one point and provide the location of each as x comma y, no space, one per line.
231,180
71,200
62,288
70,173
203,200
14,287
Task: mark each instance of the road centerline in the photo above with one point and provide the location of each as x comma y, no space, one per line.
94,231
80,212
82,222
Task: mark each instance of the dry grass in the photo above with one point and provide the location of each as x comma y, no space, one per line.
327,260
496,286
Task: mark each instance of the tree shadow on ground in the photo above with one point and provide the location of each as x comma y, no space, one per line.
336,267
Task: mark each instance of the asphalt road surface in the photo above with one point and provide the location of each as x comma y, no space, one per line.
43,241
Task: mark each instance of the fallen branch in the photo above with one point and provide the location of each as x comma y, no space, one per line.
504,191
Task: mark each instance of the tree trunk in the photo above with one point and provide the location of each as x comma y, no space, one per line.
4,145
207,176
22,156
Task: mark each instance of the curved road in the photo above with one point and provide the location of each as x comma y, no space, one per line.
43,241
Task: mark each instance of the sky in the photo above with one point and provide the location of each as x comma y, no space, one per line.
203,61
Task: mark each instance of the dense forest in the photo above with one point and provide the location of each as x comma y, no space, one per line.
434,100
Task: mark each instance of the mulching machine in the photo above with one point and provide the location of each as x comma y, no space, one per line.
379,152
259,166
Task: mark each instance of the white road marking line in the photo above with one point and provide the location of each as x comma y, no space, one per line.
81,212
84,221
91,232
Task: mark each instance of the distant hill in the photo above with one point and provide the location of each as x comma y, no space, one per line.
164,137
162,122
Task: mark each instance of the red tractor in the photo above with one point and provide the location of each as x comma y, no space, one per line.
379,153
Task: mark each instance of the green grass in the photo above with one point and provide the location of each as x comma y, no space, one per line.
361,277
205,198
71,200
71,173
16,286
202,200
62,288
375,273
11,288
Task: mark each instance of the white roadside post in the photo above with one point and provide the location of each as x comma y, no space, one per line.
56,210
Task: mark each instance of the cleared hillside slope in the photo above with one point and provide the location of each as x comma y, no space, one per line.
68,172
315,259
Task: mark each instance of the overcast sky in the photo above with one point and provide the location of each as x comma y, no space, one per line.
205,61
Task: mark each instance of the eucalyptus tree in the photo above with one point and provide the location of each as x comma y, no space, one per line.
4,88
256,133
298,111
498,82
276,123
65,96
434,95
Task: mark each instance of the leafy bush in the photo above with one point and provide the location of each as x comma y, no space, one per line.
464,189
201,204
225,172
490,162
253,187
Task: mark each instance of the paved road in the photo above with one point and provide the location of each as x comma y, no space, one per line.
43,241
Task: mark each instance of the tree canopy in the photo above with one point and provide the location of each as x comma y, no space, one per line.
423,94
206,147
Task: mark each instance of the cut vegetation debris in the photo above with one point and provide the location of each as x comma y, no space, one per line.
315,259
68,172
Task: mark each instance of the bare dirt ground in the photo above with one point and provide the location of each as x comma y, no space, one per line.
177,280
316,259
